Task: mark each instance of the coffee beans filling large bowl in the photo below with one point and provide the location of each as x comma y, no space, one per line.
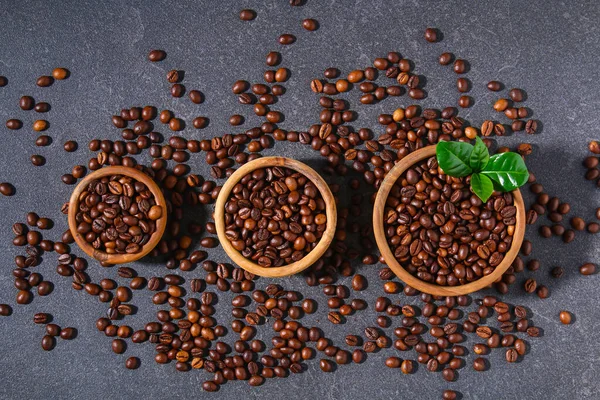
117,214
273,214
439,232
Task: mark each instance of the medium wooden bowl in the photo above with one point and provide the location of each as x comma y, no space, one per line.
100,255
310,258
412,280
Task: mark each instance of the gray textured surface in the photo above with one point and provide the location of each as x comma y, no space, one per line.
548,48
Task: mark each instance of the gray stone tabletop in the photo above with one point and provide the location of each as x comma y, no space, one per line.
548,48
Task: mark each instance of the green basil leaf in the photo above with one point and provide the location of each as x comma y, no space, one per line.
453,158
508,170
480,156
482,186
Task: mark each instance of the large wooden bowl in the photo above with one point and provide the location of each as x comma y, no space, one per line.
100,255
412,280
310,258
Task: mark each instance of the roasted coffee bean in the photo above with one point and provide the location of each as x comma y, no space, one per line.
132,363
157,55
531,126
431,35
460,66
26,103
68,333
246,15
41,318
44,81
533,331
565,317
310,24
118,346
38,160
14,124
445,58
479,364
48,342
587,269
173,76
7,189
286,39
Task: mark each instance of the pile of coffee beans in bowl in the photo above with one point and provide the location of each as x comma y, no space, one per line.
117,214
275,216
441,232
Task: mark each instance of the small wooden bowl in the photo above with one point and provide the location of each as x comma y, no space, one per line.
310,258
100,255
407,277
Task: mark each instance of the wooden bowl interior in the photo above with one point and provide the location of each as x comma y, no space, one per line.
412,280
310,258
100,255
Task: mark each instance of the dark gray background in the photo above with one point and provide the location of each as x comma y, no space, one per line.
550,49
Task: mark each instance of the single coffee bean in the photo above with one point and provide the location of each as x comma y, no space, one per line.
44,81
14,124
479,364
445,58
431,35
5,310
310,24
195,96
68,333
587,269
118,346
460,66
157,55
7,189
286,39
53,330
326,365
516,95
38,160
494,86
511,355
132,363
565,317
26,103
247,15
48,342
449,395
41,318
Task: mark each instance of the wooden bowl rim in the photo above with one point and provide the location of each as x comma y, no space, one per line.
412,280
100,255
310,258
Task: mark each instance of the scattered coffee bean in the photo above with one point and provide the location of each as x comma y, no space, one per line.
431,35
587,269
14,124
60,73
247,15
44,81
287,39
157,55
5,310
310,24
7,189
48,342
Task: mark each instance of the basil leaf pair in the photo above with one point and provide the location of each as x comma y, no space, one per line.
503,172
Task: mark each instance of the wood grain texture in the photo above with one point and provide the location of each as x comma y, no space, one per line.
407,277
100,255
310,258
